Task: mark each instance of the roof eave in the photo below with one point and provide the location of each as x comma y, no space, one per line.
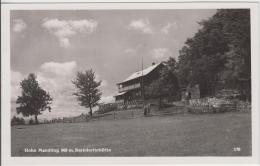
129,80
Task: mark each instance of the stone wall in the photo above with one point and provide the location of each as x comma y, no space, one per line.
218,105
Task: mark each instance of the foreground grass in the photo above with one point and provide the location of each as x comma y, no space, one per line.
177,135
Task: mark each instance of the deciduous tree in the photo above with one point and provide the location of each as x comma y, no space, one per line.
88,93
166,86
219,52
34,100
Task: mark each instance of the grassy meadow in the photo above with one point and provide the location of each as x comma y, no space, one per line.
223,134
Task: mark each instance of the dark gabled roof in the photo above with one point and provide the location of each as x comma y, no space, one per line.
141,73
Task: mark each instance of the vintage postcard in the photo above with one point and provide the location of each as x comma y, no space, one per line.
144,82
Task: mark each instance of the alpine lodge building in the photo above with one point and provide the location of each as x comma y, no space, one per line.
132,88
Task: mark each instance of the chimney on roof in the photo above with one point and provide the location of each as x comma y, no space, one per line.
153,63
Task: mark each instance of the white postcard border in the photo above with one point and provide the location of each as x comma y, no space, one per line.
5,83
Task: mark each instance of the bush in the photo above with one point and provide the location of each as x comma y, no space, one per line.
31,122
17,121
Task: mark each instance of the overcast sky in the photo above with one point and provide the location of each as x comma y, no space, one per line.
56,44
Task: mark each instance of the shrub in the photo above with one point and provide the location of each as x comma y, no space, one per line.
17,121
31,122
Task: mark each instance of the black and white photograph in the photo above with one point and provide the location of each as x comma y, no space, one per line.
130,82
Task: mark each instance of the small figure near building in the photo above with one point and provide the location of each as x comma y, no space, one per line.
147,109
190,92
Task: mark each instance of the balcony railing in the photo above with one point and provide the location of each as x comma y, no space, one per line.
130,87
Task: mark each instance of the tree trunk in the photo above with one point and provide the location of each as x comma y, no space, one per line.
36,119
90,112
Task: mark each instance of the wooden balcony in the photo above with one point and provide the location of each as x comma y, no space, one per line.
130,87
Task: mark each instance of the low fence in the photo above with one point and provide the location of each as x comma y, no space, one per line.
103,108
202,105
116,111
129,105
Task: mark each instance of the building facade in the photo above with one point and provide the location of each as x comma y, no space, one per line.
132,88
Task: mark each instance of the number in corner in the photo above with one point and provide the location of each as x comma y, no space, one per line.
236,149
